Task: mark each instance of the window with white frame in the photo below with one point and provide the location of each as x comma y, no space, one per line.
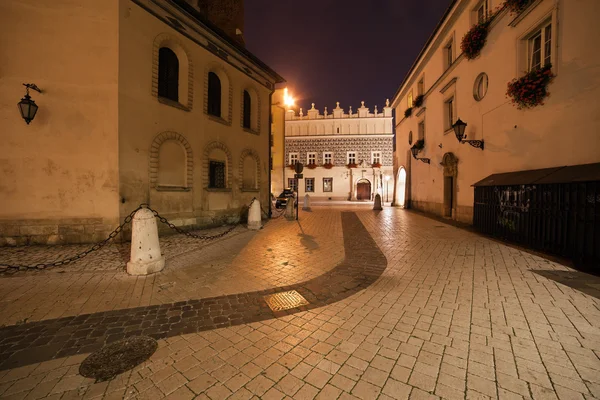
327,158
293,158
351,158
449,113
540,47
328,184
448,54
311,158
481,11
422,130
376,157
310,184
292,184
409,99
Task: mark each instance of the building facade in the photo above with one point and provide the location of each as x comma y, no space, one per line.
450,84
142,101
346,156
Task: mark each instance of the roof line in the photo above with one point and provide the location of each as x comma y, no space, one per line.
219,32
429,40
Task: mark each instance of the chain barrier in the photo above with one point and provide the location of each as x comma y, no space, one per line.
21,267
97,246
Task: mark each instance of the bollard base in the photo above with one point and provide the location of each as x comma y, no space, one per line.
306,209
145,268
254,225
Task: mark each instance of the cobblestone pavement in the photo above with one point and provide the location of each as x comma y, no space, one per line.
453,315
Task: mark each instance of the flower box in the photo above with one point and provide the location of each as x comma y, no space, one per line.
352,165
475,39
311,166
419,144
328,165
408,112
376,165
516,6
292,167
530,90
418,102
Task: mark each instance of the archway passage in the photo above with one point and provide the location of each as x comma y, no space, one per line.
363,190
401,188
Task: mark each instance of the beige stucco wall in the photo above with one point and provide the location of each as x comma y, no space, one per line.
278,146
143,117
563,131
58,175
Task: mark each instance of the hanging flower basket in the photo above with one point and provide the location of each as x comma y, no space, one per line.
311,166
516,6
351,165
475,39
408,112
376,165
418,102
292,167
419,144
530,90
328,165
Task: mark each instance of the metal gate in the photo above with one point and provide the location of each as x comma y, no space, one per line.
558,218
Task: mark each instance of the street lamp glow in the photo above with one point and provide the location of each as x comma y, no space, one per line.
387,178
287,99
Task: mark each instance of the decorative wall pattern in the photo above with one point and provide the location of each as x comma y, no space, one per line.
340,146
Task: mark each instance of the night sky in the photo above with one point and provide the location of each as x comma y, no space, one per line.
334,50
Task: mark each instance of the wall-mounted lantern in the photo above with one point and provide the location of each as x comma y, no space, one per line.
459,130
415,151
27,106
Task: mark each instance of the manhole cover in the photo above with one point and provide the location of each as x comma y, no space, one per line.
117,357
285,300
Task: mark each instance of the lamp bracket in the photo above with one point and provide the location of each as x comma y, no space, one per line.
32,86
478,144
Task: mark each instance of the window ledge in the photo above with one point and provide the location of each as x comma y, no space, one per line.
250,190
172,103
252,131
217,119
448,130
421,111
524,13
217,189
172,189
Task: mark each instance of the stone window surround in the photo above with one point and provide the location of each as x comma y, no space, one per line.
254,155
255,103
223,75
153,160
173,43
206,169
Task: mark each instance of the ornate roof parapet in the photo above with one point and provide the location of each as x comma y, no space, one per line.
338,112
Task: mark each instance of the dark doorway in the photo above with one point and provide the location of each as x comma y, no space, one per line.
363,190
448,196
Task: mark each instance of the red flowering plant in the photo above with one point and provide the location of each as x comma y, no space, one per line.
328,165
351,165
311,166
475,39
376,165
516,6
530,90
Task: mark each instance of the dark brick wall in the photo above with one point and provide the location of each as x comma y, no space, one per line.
226,14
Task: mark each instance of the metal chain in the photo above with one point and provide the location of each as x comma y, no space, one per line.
78,256
112,235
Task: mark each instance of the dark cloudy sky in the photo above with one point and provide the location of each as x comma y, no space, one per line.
340,50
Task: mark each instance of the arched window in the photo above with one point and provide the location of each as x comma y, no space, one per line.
214,94
247,110
168,74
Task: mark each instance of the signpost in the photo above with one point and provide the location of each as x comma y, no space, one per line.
298,175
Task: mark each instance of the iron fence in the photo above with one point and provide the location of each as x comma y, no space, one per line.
561,218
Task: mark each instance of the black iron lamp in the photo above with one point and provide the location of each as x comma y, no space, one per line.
459,130
415,151
27,106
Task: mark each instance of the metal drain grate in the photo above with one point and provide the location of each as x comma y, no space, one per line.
285,300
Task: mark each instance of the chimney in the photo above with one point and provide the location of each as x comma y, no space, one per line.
228,15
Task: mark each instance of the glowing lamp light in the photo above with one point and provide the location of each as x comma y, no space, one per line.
287,99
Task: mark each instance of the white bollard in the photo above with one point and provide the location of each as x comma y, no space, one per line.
377,203
306,206
254,221
145,248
